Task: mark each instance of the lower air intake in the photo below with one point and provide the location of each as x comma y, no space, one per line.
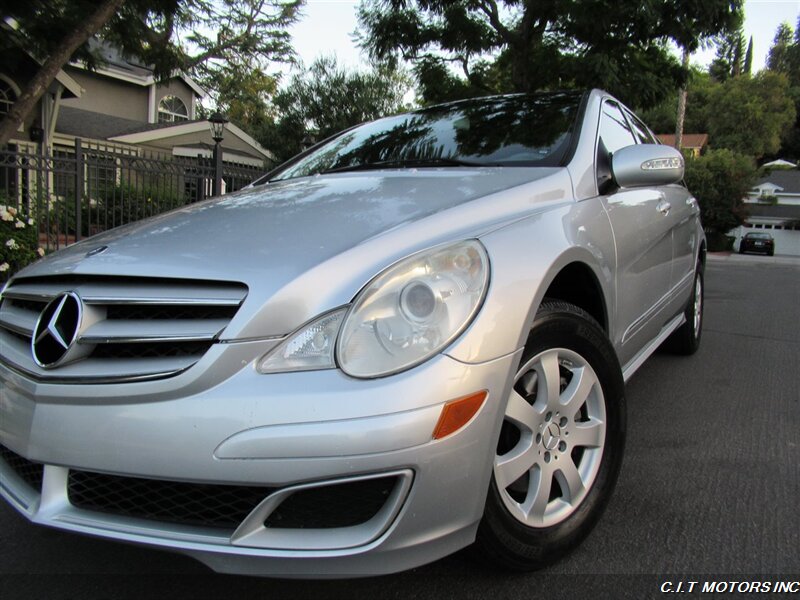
30,472
197,504
330,506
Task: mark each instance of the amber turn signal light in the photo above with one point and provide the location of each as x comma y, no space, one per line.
457,413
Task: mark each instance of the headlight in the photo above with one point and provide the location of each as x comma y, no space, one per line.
412,310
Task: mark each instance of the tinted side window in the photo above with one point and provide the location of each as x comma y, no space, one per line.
614,130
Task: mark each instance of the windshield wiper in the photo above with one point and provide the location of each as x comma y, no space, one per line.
407,164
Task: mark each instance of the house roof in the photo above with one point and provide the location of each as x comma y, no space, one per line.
130,69
779,163
148,134
689,140
88,124
71,88
787,180
776,211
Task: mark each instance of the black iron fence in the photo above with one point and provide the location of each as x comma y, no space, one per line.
79,190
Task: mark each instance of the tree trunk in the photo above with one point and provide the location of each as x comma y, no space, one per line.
681,104
52,65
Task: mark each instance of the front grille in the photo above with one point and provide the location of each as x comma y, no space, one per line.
198,504
30,472
340,505
134,327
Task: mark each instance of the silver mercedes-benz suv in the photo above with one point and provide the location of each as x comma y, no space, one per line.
408,339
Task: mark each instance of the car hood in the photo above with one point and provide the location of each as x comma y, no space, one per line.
267,236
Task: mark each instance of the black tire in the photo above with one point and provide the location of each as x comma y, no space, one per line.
771,253
503,539
686,339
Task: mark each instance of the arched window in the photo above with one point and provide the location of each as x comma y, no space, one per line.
171,109
7,96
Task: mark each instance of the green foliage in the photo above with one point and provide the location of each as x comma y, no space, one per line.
749,115
619,46
748,58
42,25
730,59
129,202
770,199
111,207
661,118
720,179
784,58
212,40
779,57
327,98
19,243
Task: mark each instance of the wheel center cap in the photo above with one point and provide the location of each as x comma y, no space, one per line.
551,436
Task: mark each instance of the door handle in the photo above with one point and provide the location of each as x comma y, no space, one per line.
663,207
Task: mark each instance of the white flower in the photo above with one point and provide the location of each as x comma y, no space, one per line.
30,221
12,211
12,243
40,251
6,216
4,267
19,224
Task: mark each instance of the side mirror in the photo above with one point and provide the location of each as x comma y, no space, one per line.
646,164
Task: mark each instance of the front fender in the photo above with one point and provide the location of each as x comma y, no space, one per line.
526,256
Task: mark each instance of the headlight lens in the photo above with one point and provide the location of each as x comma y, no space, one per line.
309,348
413,310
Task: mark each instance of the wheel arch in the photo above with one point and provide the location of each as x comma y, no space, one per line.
577,284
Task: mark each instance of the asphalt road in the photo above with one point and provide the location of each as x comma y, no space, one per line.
709,490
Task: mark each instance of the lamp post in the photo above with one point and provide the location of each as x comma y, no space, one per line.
217,122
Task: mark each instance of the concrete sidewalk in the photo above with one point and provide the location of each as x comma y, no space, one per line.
754,259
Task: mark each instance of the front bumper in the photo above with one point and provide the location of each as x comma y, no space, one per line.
285,432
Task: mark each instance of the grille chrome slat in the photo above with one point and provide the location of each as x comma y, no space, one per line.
17,354
135,331
143,292
138,328
18,319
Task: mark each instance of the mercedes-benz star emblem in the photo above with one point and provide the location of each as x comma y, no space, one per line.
56,330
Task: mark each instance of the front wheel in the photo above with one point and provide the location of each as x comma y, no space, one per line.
561,442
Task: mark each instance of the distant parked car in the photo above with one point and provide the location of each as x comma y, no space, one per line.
412,337
757,242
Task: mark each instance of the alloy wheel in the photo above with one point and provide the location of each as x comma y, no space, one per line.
551,443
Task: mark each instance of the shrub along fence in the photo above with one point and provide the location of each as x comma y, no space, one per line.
74,192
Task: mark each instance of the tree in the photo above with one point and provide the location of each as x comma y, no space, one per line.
662,117
778,57
327,98
748,58
730,59
750,115
720,180
620,46
208,39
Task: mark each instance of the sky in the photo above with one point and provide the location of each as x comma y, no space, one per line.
327,26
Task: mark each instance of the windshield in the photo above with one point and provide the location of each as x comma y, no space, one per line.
518,130
760,236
